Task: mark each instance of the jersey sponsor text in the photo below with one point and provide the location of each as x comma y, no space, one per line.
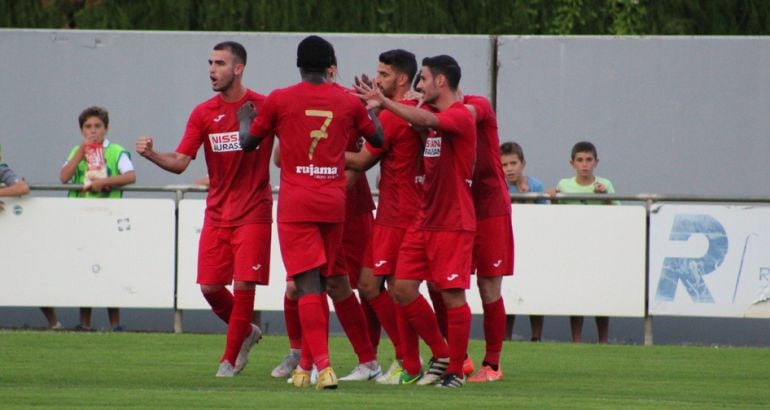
225,142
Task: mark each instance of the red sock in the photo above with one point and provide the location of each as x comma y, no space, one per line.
325,305
221,303
239,327
353,321
494,330
410,343
459,321
315,329
423,320
291,317
305,356
385,309
440,308
372,324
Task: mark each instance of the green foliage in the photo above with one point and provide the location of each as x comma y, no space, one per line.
145,370
558,17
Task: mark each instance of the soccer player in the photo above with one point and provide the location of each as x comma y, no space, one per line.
493,248
439,245
235,239
400,187
339,286
313,120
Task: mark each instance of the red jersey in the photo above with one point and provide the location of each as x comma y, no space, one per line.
448,157
239,191
313,123
401,171
490,192
359,195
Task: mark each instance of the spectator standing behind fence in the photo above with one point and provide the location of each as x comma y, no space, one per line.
585,160
513,162
12,184
101,167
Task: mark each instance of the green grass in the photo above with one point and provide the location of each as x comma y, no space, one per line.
161,370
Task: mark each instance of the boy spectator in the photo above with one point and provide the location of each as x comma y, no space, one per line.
584,160
101,167
513,162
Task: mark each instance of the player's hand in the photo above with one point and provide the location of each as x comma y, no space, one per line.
599,188
144,146
415,95
369,93
365,80
247,112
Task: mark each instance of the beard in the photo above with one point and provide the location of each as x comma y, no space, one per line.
225,86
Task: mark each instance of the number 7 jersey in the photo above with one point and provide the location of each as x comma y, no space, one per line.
313,123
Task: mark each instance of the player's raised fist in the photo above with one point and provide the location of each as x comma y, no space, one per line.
144,145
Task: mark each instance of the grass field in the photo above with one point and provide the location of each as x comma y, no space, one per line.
161,370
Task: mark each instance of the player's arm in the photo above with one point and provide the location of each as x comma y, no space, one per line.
170,161
351,176
378,138
246,115
361,160
277,156
413,115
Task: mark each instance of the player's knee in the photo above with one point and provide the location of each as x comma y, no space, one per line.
206,289
369,289
338,287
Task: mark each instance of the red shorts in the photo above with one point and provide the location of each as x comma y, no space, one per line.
308,245
354,253
386,241
493,247
240,253
442,257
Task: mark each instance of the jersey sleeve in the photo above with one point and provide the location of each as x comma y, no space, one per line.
193,135
453,120
483,108
263,124
363,122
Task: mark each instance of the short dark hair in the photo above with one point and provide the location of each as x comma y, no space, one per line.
234,47
402,61
446,65
94,111
512,148
315,55
584,146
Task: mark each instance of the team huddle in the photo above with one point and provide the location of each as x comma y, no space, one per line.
443,214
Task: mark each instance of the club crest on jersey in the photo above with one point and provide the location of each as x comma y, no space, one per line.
432,147
225,141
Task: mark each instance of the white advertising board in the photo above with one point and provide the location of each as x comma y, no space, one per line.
577,260
710,260
80,252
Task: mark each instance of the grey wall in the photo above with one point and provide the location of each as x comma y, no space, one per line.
670,115
151,81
